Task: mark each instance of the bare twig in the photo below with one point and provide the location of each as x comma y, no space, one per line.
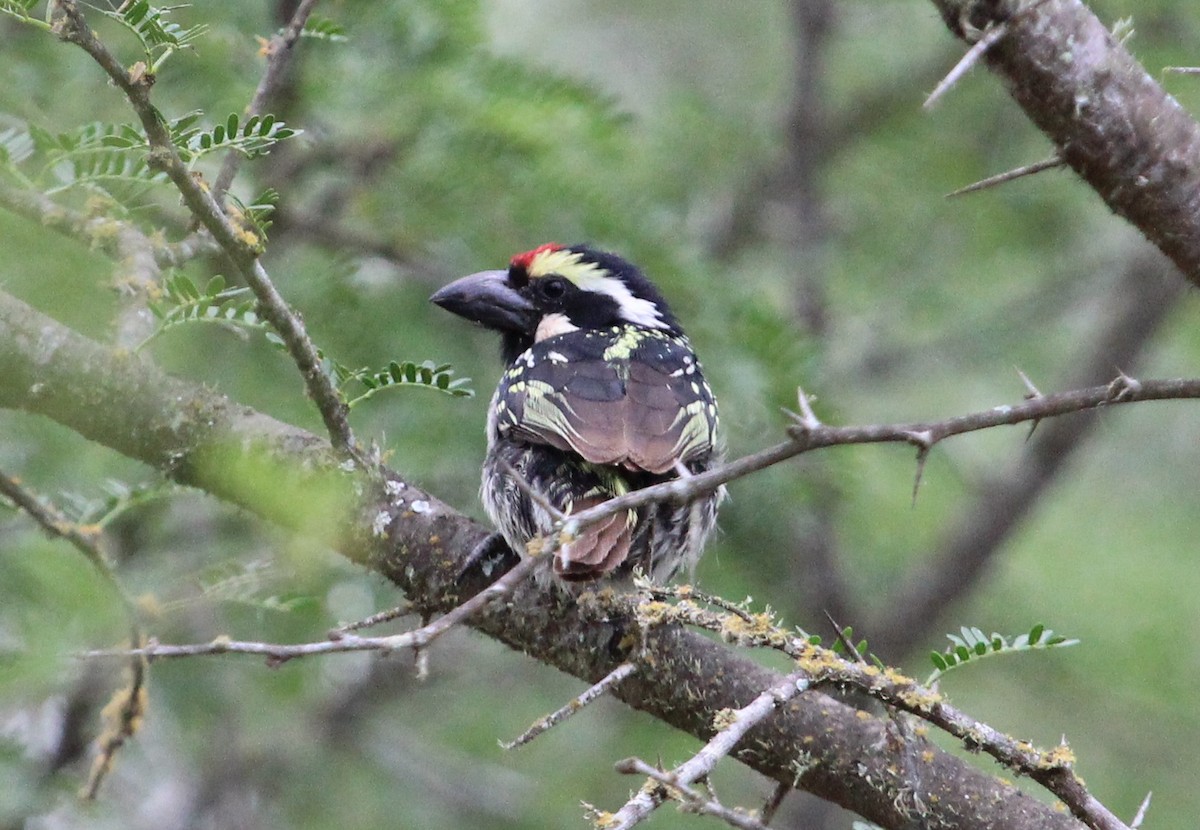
806,438
775,802
1137,304
692,800
733,727
73,28
124,712
556,717
690,593
373,620
536,497
97,231
279,58
340,642
1009,175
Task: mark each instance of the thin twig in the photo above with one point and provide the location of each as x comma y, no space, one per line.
279,58
688,593
536,497
805,438
736,724
125,712
73,28
1009,175
551,720
692,800
373,620
775,801
102,233
341,642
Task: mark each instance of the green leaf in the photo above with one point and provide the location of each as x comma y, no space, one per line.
182,302
158,36
971,644
429,375
254,138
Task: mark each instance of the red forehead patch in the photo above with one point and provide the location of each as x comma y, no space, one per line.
526,259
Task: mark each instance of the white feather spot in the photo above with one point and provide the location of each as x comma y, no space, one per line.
553,325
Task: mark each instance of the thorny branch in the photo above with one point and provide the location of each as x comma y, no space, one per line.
1108,118
821,667
808,433
71,26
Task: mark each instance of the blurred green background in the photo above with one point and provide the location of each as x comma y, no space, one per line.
770,167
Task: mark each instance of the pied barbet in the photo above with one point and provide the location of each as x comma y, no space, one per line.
602,395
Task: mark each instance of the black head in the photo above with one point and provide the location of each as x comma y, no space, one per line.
556,289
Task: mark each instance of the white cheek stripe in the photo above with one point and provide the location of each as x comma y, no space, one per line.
635,310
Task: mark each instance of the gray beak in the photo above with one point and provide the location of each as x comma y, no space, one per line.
486,298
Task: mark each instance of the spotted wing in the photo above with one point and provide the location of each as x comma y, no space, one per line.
623,396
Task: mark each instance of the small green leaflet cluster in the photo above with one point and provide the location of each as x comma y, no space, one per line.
159,37
253,137
974,644
427,374
183,301
99,154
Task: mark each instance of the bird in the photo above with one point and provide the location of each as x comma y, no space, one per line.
601,395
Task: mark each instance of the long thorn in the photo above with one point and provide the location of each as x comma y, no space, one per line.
991,34
1008,176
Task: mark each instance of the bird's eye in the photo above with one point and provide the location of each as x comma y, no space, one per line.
553,288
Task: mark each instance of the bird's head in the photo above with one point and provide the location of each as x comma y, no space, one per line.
556,289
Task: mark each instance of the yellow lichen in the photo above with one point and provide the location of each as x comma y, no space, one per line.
1061,757
919,698
724,719
655,613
